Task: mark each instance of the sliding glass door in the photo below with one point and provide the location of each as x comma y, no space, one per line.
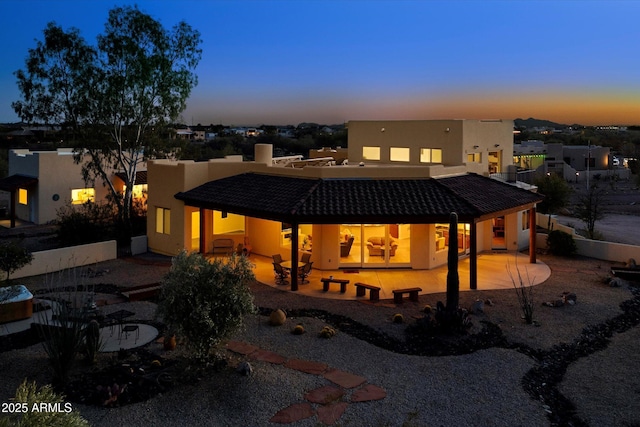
375,245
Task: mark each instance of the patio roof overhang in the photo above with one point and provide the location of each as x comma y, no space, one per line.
11,184
335,201
378,201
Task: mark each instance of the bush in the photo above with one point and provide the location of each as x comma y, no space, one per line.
87,223
13,257
28,394
205,301
561,243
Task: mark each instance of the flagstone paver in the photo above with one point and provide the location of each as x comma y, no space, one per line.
241,347
367,393
344,379
268,356
307,366
293,413
329,414
325,394
327,398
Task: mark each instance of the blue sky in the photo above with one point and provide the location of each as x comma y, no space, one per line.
286,62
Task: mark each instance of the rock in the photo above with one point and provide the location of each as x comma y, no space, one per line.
558,303
569,298
477,307
488,302
277,317
244,368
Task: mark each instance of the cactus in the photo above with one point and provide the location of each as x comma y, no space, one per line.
453,280
327,332
298,329
398,318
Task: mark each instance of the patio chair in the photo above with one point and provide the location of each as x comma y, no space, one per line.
280,274
304,272
306,257
277,258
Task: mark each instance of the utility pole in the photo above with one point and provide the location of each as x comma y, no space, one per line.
588,160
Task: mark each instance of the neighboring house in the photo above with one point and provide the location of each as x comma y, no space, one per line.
572,162
381,210
42,182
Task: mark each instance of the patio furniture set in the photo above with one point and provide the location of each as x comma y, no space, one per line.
282,270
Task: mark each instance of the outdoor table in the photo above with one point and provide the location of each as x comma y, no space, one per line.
287,265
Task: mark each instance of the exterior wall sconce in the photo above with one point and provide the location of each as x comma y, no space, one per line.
447,130
476,147
496,145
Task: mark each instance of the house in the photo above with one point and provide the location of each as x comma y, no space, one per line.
572,162
387,207
42,182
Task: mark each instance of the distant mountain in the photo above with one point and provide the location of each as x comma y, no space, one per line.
537,123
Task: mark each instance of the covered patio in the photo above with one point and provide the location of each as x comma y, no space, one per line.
492,274
296,201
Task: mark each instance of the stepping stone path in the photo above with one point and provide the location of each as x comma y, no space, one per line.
324,402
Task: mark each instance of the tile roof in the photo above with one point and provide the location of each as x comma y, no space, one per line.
333,201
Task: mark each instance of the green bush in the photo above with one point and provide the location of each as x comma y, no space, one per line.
28,395
87,223
206,301
561,243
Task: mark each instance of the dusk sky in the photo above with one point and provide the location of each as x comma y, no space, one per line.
286,62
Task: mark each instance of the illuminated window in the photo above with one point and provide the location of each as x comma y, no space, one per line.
431,155
80,196
399,154
474,158
22,196
163,220
371,153
139,191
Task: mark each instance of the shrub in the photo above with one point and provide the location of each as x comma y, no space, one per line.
87,223
561,243
13,257
524,291
206,301
27,393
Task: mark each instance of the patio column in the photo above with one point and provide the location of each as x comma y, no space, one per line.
532,235
473,259
294,256
203,244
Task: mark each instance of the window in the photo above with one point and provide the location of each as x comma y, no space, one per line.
163,220
431,155
22,196
474,158
80,196
526,216
399,154
139,191
371,153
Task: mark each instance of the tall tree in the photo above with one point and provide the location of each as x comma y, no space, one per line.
556,192
113,97
590,208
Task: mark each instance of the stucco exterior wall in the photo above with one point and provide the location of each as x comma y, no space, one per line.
46,262
456,138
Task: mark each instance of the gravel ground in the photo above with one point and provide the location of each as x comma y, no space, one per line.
482,388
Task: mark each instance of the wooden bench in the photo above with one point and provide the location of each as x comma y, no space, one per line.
326,281
361,290
413,294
